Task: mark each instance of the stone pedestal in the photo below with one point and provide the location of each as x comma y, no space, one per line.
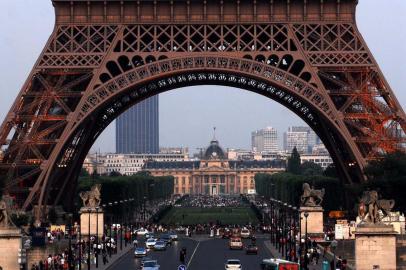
10,245
94,219
375,247
314,220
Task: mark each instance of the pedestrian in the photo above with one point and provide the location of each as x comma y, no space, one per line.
344,264
339,263
182,257
104,255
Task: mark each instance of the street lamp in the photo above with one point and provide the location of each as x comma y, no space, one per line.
71,266
295,224
96,250
80,247
334,245
306,215
289,233
88,252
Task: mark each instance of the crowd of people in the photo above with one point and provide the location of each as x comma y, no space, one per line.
206,201
79,254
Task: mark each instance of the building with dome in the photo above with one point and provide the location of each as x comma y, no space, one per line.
214,174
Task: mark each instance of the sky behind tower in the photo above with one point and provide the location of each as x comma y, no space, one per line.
188,115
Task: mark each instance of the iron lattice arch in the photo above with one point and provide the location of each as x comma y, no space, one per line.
105,56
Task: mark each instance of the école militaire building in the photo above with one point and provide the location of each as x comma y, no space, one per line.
214,174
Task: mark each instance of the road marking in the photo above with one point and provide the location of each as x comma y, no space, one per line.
191,258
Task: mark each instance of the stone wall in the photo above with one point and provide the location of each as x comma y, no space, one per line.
10,243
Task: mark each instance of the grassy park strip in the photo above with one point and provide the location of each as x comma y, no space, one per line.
195,215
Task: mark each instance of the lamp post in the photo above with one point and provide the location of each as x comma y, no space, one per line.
289,233
110,226
70,265
80,247
88,235
295,224
121,227
116,229
272,219
96,250
286,228
333,245
306,215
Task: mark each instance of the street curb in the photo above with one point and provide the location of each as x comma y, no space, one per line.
117,260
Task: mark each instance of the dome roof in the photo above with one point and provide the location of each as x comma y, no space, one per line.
214,151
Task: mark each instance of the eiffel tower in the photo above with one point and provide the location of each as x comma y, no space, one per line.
105,56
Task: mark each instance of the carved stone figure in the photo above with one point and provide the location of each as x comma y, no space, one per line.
369,207
91,198
5,221
311,197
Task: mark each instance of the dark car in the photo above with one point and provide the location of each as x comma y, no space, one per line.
166,238
252,249
227,234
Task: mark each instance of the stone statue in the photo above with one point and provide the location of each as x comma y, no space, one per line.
311,197
5,220
369,206
91,198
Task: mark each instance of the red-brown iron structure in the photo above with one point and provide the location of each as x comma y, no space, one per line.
105,56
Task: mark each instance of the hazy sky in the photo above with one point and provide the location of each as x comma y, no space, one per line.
187,115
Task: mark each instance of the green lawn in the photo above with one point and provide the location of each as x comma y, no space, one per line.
192,216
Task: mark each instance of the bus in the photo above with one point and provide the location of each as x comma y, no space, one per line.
278,264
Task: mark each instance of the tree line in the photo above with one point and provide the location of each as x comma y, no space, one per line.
387,175
136,186
139,187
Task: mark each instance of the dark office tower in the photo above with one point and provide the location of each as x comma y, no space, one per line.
137,130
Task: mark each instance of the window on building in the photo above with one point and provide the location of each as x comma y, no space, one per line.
222,179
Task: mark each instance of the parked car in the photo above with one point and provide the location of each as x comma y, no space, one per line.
160,245
251,249
236,243
233,264
140,252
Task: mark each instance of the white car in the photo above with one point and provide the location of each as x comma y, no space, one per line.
140,252
173,236
245,233
142,231
150,243
150,265
233,264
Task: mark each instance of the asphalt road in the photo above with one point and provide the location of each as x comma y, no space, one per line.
202,254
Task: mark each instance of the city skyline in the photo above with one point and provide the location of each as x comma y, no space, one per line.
187,116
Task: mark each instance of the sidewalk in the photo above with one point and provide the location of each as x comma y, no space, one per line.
114,258
276,254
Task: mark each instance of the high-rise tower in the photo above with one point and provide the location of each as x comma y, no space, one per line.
137,129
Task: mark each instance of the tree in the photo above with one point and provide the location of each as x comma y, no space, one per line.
331,171
84,173
115,174
294,162
310,169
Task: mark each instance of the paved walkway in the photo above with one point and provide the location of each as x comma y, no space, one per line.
276,254
115,258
